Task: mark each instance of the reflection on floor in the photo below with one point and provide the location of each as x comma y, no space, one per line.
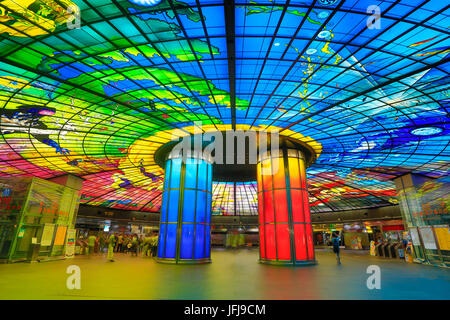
232,275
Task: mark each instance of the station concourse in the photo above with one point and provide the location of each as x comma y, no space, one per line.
215,149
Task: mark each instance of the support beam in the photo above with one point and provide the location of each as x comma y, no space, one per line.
231,53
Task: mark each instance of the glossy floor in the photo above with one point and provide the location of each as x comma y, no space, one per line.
234,274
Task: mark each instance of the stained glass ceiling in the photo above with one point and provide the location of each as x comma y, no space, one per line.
374,93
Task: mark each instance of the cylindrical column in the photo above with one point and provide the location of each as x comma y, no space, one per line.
184,233
285,230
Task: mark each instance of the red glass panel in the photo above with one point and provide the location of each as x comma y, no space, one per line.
268,206
283,246
309,241
300,244
260,208
270,242
262,246
281,211
297,205
306,207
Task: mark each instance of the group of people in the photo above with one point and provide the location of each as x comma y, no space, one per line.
147,245
235,240
120,243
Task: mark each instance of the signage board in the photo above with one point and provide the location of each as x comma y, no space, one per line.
428,238
47,234
70,243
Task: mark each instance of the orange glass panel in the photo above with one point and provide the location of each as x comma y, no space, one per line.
302,174
279,178
266,175
268,207
294,173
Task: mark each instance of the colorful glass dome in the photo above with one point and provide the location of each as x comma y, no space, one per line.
86,84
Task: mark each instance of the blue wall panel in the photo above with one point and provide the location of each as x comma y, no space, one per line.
187,239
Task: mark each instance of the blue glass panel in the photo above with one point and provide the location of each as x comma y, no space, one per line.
171,240
202,173
189,206
191,174
209,182
173,206
164,207
175,174
167,174
207,241
199,241
162,233
208,208
201,207
187,241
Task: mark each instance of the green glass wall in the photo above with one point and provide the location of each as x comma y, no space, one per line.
425,207
35,211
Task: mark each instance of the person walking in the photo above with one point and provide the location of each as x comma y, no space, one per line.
147,244
97,243
154,244
234,239
101,241
91,243
119,243
128,244
134,245
241,240
141,244
336,249
111,245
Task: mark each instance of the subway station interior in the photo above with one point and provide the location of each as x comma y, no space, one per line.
215,149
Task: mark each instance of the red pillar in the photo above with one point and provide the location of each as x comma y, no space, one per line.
285,230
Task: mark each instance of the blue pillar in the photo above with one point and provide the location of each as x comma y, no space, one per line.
184,233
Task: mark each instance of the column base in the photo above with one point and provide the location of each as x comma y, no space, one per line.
289,262
183,261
